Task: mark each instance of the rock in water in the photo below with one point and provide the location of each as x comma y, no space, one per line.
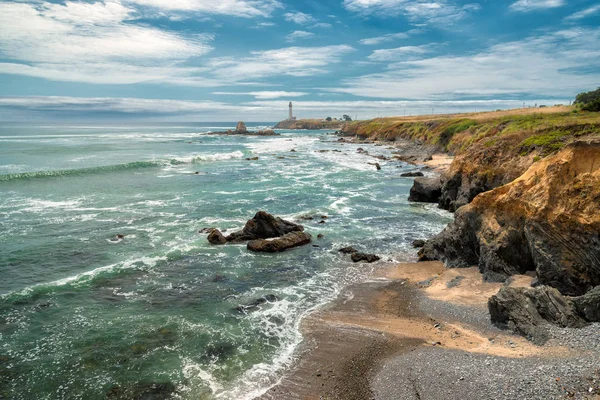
348,250
216,237
417,244
264,226
241,127
288,241
411,174
426,190
357,257
526,310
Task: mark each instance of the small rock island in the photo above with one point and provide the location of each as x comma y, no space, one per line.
241,129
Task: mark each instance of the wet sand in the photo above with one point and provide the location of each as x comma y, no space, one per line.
359,346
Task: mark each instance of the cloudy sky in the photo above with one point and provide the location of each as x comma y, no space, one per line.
224,60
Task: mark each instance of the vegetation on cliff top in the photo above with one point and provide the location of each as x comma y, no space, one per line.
524,131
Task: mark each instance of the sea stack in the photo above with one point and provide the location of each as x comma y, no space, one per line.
241,127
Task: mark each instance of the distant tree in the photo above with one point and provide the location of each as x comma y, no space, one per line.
328,119
586,98
346,118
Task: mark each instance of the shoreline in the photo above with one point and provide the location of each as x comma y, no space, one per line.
401,316
366,343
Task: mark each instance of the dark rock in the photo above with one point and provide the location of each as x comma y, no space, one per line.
411,174
252,158
357,257
216,237
526,310
287,241
360,150
417,244
241,128
264,226
322,222
461,189
206,230
320,236
454,282
293,151
588,305
324,217
245,308
426,190
306,218
378,166
348,250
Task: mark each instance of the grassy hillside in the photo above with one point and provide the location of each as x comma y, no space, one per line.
491,149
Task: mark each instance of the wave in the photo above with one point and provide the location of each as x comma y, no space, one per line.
121,167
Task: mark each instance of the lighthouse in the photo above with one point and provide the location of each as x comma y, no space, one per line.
291,113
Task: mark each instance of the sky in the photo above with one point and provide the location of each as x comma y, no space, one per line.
226,60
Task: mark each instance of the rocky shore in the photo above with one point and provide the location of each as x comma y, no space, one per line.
242,130
311,124
504,303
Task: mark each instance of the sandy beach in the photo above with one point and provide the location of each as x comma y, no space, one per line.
421,331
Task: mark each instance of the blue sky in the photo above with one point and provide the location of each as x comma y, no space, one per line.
224,60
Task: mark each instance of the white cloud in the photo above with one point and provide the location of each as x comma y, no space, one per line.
292,61
236,8
584,13
299,18
548,65
384,38
399,53
322,25
292,37
531,5
265,95
438,11
90,43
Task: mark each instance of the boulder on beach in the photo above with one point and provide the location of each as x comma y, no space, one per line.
358,257
264,226
426,190
287,241
527,310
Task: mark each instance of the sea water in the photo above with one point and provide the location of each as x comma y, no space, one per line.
85,314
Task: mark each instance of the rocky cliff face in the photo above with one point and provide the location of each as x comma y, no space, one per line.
547,220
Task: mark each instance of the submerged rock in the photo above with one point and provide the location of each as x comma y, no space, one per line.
348,250
358,257
287,241
426,190
245,308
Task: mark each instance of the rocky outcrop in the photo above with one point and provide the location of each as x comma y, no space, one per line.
411,174
547,220
264,226
527,311
283,234
288,241
216,237
588,305
241,128
359,257
426,190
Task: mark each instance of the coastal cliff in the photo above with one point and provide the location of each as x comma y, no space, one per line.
526,188
312,124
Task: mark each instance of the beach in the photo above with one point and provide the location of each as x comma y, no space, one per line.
413,332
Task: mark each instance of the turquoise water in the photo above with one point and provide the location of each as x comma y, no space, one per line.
85,316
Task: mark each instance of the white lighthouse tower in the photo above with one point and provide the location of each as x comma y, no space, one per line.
291,113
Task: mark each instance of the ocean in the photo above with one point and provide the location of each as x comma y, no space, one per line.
87,315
